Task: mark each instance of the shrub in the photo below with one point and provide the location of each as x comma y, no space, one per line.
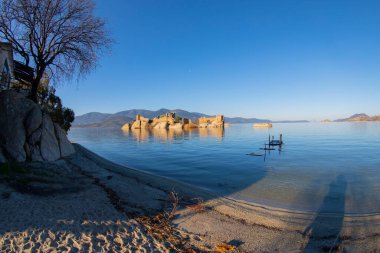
8,168
52,104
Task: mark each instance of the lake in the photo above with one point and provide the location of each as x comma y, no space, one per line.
324,167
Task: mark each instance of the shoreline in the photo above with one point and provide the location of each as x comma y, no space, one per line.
203,220
271,218
162,181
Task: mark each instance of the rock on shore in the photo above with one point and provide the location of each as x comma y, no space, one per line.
27,133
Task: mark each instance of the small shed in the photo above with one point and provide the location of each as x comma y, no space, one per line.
13,74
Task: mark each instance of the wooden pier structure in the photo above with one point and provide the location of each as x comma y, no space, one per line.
272,143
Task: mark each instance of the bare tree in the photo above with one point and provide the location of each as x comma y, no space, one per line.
58,38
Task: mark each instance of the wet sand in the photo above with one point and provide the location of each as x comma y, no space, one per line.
85,203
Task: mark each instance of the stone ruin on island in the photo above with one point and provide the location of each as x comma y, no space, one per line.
171,121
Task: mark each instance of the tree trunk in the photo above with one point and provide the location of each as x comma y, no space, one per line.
33,91
36,83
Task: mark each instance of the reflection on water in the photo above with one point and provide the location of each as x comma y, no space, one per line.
174,134
313,156
211,132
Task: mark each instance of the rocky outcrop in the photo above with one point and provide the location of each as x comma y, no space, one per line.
211,122
140,122
65,146
26,133
126,127
136,124
203,125
176,126
169,121
161,125
49,143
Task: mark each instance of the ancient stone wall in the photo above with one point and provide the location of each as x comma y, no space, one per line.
140,122
169,120
211,122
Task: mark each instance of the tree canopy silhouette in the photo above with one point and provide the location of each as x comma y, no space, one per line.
58,38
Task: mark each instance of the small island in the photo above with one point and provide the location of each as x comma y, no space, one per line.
262,125
171,121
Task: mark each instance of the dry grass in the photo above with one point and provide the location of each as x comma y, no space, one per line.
174,199
160,226
224,248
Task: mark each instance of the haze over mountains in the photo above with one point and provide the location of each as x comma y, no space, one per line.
116,120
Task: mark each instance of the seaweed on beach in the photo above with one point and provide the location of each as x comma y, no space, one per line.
225,247
160,226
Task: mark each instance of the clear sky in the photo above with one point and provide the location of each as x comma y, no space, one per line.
269,59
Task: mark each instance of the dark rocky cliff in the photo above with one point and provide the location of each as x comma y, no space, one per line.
27,133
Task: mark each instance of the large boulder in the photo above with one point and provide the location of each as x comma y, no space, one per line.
33,120
144,124
65,146
49,143
136,124
176,126
161,125
14,108
26,133
126,127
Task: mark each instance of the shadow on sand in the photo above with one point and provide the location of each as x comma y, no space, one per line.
326,227
136,193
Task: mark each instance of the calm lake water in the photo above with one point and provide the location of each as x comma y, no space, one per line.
326,167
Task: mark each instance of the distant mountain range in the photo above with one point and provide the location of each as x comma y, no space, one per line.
116,120
359,117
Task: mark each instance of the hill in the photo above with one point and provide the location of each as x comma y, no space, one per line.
110,121
91,118
359,117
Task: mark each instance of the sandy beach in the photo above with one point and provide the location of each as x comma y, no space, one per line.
85,203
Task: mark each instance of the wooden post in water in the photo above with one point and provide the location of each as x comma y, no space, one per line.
280,139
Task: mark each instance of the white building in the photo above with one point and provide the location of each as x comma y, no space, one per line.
6,65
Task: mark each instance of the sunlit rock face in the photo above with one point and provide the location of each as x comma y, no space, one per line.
171,121
161,125
140,122
211,122
126,127
203,125
28,134
176,126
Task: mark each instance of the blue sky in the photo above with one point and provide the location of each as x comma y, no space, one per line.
266,59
